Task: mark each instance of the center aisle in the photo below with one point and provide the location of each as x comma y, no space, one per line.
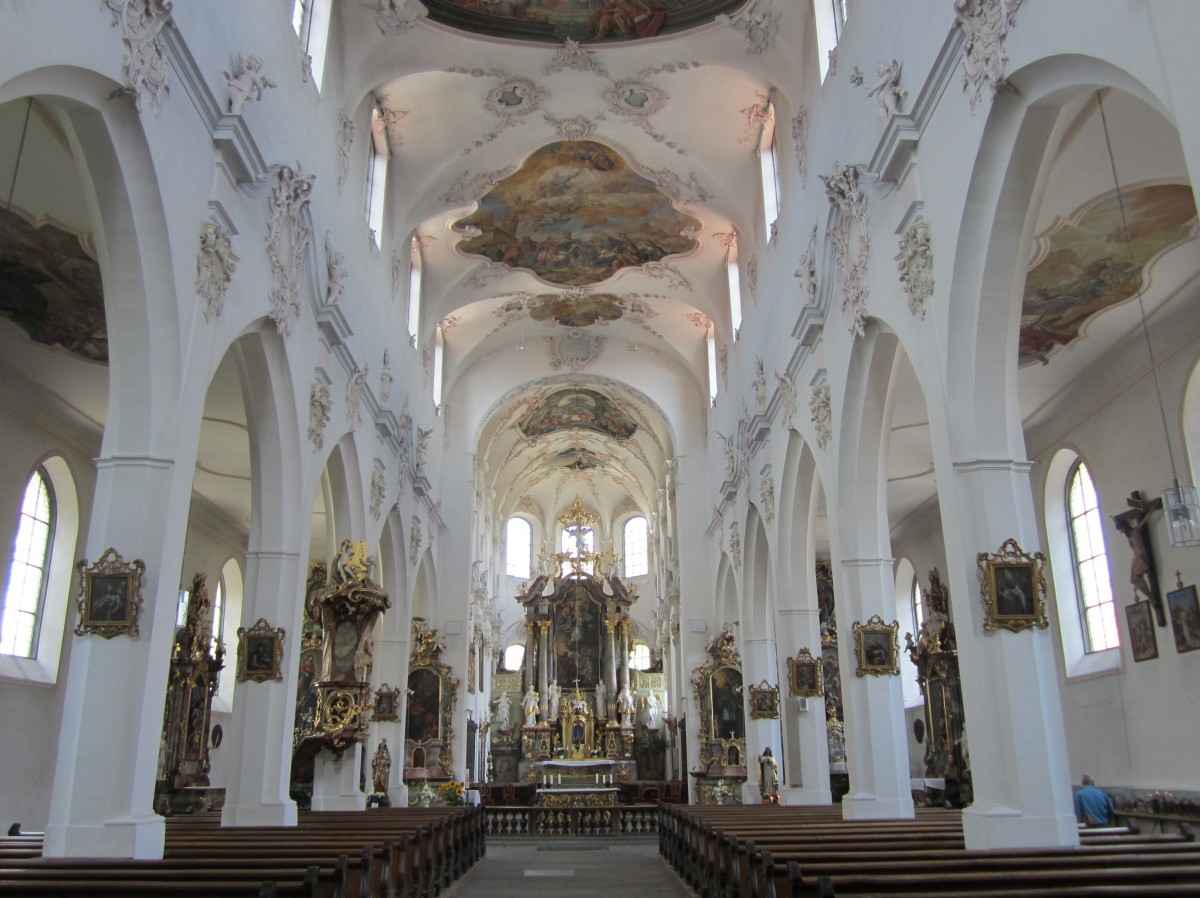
568,867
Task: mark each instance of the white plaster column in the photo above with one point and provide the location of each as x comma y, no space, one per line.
1018,752
101,805
260,758
805,739
758,664
336,779
876,739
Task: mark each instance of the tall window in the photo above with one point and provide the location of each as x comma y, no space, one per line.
439,357
710,346
514,656
734,279
636,546
1091,562
377,156
918,610
218,614
27,572
414,291
768,160
829,16
518,542
310,19
639,657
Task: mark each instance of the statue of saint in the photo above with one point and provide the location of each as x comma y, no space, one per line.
625,705
503,720
653,711
529,705
768,774
381,768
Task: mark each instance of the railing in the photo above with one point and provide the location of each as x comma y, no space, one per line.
626,820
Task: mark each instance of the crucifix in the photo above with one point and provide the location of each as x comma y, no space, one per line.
1132,524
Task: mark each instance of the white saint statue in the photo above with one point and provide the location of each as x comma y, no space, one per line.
625,705
529,705
601,703
652,712
555,698
503,719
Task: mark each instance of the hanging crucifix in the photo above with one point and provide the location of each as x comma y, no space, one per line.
1133,525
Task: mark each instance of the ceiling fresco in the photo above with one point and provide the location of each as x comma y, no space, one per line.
51,288
576,310
554,21
576,213
1086,268
578,408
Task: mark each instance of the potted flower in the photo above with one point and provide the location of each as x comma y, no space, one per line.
722,793
425,795
452,793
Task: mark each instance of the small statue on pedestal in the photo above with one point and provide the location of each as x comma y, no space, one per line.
529,705
625,706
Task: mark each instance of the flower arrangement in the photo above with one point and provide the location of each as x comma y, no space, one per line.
425,795
722,792
452,792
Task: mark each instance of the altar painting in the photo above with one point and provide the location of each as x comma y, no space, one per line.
1086,268
577,408
576,213
424,705
728,711
578,630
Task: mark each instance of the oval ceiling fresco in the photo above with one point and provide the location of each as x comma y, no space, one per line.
555,21
576,213
578,408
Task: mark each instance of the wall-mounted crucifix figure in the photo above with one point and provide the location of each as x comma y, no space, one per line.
1132,524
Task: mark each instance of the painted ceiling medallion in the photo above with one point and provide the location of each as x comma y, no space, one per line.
578,408
576,309
1085,268
554,21
576,213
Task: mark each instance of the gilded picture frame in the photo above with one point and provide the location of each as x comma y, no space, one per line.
876,647
260,652
110,595
387,704
1013,588
1143,642
1184,611
805,677
764,701
424,705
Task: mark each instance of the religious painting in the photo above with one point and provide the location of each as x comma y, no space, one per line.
1143,643
50,287
578,408
424,705
260,652
728,714
936,711
826,606
831,676
764,701
1013,585
876,647
1086,267
578,632
576,213
572,309
110,597
558,21
387,704
804,675
1185,618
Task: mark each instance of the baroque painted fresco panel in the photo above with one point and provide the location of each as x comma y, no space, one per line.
578,408
574,214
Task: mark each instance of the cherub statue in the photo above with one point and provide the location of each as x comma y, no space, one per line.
248,84
888,91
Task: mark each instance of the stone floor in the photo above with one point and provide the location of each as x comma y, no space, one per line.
517,868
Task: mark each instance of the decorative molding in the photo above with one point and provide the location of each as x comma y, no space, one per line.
385,379
354,396
787,392
760,385
758,21
378,488
337,273
215,265
396,16
800,139
758,115
723,364
665,271
574,350
249,83
420,450
985,25
511,100
397,273
305,67
345,143
766,490
915,264
820,407
752,277
679,190
571,55
287,243
887,91
807,272
849,208
389,120
415,533
577,127
320,403
141,22
735,546
700,320
469,188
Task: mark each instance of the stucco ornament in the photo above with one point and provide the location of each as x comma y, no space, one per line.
759,21
305,67
574,351
718,524
335,268
915,263
249,83
807,272
735,545
728,451
766,491
395,16
760,385
345,143
319,405
287,242
887,91
723,364
820,407
787,390
385,379
511,100
378,488
215,265
985,25
421,450
574,56
848,200
354,396
146,68
800,140
415,534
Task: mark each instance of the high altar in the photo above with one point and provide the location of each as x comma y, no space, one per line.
577,707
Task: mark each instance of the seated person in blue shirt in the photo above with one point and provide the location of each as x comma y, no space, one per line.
1092,806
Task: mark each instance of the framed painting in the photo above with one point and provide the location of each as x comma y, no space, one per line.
424,705
1013,585
260,652
387,703
804,675
110,595
728,714
1142,641
1185,618
876,647
764,701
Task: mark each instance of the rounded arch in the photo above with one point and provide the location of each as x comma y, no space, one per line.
906,579
756,584
726,596
799,498
424,591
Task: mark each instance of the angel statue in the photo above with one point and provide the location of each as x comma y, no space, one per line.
887,91
249,83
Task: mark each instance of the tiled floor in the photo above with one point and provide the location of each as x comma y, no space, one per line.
624,868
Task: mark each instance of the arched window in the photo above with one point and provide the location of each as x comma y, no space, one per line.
918,609
218,614
734,279
829,16
710,346
23,600
636,547
514,656
377,157
518,543
768,160
439,362
1092,582
414,291
639,657
310,19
